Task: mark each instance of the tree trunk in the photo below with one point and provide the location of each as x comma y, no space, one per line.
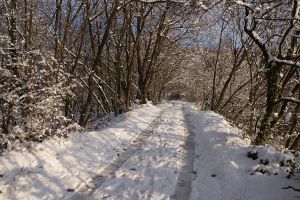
213,96
273,78
13,36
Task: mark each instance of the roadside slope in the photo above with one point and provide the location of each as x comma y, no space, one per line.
223,170
58,167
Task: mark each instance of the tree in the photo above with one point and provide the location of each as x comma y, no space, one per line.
279,51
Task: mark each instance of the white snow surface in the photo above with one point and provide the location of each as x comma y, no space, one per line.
143,154
223,169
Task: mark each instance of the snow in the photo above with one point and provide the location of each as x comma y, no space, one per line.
288,117
4,73
223,169
168,151
51,168
151,172
242,3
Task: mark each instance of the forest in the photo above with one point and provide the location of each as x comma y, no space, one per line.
66,63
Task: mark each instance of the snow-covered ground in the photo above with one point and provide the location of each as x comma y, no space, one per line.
225,172
169,151
53,169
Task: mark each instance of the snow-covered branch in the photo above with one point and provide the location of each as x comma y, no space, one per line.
290,99
286,62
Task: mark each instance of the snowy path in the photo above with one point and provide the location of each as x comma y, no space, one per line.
58,168
166,152
155,167
111,169
187,173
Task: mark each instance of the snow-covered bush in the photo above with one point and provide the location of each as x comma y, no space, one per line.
32,93
272,162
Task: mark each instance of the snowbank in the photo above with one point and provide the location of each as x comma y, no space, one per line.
225,172
56,167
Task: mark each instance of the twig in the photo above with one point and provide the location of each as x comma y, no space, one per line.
291,187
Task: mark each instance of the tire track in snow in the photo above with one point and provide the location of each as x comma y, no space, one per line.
184,180
87,191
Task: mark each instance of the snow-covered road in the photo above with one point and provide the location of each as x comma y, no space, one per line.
169,151
152,167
